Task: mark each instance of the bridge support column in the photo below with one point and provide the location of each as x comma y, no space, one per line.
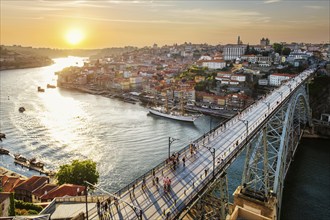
213,203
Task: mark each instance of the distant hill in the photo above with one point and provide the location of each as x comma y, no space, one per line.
51,53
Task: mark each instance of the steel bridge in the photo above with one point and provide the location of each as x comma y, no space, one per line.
269,130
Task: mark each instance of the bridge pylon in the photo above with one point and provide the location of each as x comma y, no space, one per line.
269,154
212,203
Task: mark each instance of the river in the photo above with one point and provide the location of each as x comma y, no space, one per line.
61,125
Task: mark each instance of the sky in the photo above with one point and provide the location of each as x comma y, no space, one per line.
102,24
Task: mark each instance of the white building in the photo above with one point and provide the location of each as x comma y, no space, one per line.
233,51
214,64
277,78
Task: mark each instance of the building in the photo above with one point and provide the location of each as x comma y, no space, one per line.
213,64
264,42
43,190
62,191
227,78
233,51
24,190
4,204
8,183
276,79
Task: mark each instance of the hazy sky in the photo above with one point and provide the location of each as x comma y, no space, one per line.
42,23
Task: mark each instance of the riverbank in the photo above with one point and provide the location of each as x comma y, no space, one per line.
6,172
13,66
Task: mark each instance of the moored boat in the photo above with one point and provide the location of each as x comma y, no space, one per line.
173,115
49,86
4,151
40,89
20,158
21,109
35,163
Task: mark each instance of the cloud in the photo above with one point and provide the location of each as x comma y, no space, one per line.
313,6
128,20
271,1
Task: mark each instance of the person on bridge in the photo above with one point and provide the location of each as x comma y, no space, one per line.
98,205
184,160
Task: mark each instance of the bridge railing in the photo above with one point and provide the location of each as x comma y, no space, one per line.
163,163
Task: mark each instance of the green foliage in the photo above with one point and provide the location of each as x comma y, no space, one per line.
33,212
201,86
278,48
78,172
319,83
12,205
27,205
286,51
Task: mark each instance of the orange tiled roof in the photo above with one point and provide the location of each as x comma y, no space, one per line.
9,182
32,183
64,190
45,188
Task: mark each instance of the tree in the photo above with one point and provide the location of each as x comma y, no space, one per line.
278,48
286,51
78,172
12,205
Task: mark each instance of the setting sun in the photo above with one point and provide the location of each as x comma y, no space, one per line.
74,36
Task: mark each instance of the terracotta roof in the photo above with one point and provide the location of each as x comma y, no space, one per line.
32,183
44,189
9,182
64,190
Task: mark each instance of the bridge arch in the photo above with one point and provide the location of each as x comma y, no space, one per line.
270,152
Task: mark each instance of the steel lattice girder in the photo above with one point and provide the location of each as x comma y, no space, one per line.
270,152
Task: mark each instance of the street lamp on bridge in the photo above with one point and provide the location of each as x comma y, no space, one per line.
281,93
170,141
212,151
246,122
266,103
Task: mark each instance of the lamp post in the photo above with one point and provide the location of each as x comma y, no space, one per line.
210,123
212,150
246,122
281,93
170,141
86,197
268,104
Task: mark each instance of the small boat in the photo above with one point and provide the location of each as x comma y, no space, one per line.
49,86
21,109
20,158
4,151
33,162
2,135
40,89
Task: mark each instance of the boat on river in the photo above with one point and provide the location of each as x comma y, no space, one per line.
35,163
20,158
4,151
40,89
49,86
172,113
21,109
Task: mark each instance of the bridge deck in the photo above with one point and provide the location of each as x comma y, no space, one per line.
188,180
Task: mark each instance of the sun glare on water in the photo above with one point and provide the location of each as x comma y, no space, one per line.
74,36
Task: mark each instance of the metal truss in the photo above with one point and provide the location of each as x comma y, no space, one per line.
213,202
270,152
